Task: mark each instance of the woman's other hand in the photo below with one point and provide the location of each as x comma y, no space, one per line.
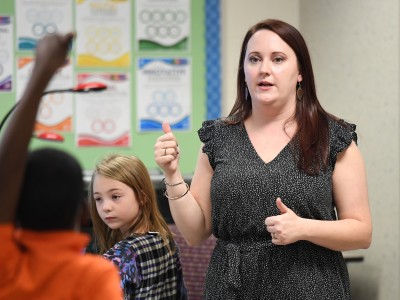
284,228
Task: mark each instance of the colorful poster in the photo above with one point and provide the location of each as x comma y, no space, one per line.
103,118
35,19
6,53
104,38
56,109
164,93
162,25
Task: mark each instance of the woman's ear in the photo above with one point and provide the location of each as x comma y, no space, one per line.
299,78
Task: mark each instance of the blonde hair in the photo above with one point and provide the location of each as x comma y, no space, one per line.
131,171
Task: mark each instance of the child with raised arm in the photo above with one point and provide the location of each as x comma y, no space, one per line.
131,232
40,206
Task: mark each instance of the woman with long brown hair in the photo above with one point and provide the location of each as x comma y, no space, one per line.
280,182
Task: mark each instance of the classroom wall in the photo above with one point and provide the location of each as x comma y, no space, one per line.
354,46
142,144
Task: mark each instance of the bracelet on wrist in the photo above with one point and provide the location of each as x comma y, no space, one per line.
172,184
177,197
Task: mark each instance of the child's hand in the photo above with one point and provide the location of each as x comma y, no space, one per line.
52,50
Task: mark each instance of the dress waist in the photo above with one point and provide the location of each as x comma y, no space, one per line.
246,244
232,250
238,261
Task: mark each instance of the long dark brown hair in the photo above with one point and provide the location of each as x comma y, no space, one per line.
131,171
312,120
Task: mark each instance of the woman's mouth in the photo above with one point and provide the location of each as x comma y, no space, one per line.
265,83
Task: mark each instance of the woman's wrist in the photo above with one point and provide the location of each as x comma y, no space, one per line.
173,179
182,194
175,186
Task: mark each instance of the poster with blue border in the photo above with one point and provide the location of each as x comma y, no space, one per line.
164,93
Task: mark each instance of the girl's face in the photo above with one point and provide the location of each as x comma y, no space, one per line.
116,203
271,70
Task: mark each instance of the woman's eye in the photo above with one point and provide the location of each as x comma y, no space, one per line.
97,199
278,59
253,59
116,197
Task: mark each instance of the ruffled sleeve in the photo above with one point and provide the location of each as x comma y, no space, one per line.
206,134
341,136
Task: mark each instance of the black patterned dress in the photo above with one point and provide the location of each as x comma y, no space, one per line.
245,264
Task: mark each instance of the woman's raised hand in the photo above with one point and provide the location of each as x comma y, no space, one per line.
166,150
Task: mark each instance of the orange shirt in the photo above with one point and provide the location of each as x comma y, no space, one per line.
50,265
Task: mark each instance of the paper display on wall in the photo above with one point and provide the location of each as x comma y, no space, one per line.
103,118
105,33
163,93
162,25
55,110
36,19
6,53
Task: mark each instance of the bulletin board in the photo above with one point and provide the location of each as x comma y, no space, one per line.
132,72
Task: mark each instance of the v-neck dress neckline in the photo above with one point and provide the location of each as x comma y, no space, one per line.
276,157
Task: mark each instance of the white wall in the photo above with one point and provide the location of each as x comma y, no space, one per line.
355,50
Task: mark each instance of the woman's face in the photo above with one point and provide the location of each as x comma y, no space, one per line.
116,203
271,69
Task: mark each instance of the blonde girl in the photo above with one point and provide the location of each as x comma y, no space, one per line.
131,232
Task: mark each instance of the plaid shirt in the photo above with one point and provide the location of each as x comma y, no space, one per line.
148,270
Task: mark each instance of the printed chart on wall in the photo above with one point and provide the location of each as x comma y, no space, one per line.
105,34
55,110
6,54
103,119
164,93
162,24
35,19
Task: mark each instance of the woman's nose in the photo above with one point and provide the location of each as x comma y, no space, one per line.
265,67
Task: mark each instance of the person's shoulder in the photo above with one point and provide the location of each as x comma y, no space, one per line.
95,262
92,266
144,239
337,124
341,134
7,229
122,250
132,245
210,127
341,130
142,243
99,278
212,122
222,121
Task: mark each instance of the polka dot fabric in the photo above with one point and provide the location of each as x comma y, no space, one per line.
245,264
